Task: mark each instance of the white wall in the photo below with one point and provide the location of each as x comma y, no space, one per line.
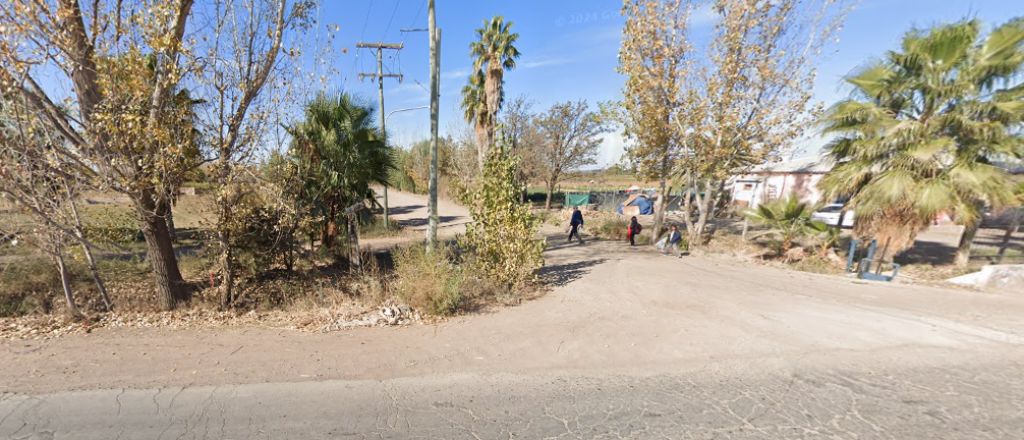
756,189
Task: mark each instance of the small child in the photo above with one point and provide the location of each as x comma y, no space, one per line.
633,231
674,237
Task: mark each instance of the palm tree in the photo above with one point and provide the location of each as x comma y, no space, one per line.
495,53
919,134
341,153
788,219
474,105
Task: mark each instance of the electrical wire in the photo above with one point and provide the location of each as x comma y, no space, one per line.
357,58
399,2
416,17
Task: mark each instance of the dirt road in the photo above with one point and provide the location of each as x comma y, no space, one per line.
628,344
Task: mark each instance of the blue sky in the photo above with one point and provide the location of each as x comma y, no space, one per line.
570,47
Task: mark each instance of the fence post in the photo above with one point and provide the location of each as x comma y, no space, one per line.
1010,230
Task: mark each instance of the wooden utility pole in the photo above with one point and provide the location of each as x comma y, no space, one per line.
380,75
435,75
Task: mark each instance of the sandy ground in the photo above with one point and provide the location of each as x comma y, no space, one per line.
411,211
720,349
612,307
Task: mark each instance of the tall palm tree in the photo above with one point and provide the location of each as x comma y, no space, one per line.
494,54
474,105
341,153
922,128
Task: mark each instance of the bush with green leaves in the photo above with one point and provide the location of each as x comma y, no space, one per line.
502,240
787,219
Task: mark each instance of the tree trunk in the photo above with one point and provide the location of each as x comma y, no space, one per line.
65,282
355,257
96,277
227,258
170,223
659,211
492,86
688,188
227,269
170,286
331,229
551,191
703,206
88,251
963,251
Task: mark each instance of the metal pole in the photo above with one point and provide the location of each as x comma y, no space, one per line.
404,110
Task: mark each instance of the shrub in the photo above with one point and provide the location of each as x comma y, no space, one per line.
263,236
502,238
787,219
428,281
374,227
27,286
612,229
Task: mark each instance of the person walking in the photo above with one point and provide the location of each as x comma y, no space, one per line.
674,237
575,223
633,230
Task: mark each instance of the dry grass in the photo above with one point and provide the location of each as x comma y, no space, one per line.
428,281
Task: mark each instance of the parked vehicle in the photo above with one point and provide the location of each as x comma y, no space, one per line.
830,215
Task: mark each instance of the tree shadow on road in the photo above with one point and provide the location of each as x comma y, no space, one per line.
419,222
399,210
563,274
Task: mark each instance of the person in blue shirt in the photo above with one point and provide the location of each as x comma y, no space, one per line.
674,237
575,223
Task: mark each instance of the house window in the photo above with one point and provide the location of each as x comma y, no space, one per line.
748,186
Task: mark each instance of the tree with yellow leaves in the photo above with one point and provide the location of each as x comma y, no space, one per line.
701,112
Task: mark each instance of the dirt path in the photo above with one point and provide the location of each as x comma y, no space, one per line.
611,308
411,211
627,344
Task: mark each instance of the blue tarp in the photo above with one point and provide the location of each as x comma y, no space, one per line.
645,205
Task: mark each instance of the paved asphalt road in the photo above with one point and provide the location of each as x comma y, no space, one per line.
982,401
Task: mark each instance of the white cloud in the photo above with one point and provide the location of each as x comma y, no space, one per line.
457,73
408,91
543,63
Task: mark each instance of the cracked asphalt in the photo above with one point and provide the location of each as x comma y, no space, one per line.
980,401
627,345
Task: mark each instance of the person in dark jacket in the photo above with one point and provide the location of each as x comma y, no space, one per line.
576,222
633,231
674,237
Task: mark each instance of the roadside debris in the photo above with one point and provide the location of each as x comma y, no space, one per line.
316,321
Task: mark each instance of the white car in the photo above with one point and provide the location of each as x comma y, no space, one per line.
830,215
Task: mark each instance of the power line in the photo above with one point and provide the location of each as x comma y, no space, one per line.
399,2
366,21
416,17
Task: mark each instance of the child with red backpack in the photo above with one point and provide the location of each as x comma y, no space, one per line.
633,230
